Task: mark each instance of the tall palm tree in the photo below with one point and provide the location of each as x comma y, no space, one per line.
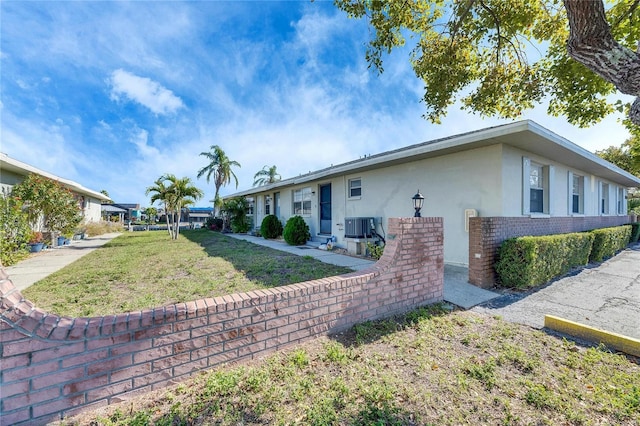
220,167
161,193
266,176
175,193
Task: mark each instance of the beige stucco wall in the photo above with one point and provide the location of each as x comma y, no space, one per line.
488,179
512,176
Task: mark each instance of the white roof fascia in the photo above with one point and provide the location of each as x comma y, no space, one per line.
27,169
473,139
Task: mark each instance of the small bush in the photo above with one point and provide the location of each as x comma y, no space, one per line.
296,231
214,223
271,227
375,250
635,232
529,261
608,241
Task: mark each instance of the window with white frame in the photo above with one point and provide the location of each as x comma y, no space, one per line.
604,198
267,204
621,203
355,188
250,206
536,189
576,191
536,184
302,202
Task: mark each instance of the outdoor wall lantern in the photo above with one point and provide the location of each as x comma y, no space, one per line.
418,201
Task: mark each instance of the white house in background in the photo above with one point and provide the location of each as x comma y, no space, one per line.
515,170
13,172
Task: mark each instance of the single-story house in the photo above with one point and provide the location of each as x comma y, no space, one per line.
514,172
13,172
125,211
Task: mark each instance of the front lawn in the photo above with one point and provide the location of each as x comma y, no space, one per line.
139,270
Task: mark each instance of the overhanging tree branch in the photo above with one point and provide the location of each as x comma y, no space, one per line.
592,44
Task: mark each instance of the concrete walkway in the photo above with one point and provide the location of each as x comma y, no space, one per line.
42,264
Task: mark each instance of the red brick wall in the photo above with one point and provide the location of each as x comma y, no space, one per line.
487,233
54,367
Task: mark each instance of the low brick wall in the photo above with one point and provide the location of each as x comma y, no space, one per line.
54,367
487,233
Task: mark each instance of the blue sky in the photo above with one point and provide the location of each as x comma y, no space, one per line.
115,94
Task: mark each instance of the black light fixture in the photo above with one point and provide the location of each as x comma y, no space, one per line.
418,201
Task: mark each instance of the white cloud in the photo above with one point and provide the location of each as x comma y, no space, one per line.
144,91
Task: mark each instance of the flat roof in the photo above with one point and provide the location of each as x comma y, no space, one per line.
526,135
24,169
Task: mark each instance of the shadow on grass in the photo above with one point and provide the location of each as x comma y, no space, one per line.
372,331
262,265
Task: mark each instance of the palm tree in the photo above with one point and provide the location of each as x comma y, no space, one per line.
178,194
266,176
220,167
161,194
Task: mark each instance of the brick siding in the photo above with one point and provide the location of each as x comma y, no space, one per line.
53,367
487,233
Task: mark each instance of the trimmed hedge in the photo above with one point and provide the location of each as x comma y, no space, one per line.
608,241
635,232
271,227
529,261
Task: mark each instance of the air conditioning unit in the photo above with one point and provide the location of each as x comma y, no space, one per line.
359,227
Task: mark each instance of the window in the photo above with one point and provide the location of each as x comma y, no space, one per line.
576,192
302,202
250,205
621,201
604,198
536,189
355,188
536,183
267,204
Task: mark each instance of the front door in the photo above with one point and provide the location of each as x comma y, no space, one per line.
325,209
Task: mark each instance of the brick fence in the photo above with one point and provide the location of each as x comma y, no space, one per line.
487,233
53,367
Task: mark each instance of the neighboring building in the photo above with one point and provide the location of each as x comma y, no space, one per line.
125,211
518,170
13,172
196,214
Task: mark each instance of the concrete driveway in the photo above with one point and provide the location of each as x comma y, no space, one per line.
606,297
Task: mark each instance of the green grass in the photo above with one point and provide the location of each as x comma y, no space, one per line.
430,367
139,270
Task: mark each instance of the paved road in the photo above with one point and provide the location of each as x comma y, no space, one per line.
606,297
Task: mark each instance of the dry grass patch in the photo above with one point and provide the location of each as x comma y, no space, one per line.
429,367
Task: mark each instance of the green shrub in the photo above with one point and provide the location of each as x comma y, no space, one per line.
635,232
296,231
15,231
214,223
375,250
271,227
608,241
530,261
236,210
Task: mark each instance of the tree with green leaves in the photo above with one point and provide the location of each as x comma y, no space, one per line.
220,167
106,194
625,156
500,57
266,176
176,194
49,205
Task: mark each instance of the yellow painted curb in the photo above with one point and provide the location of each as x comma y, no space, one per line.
616,341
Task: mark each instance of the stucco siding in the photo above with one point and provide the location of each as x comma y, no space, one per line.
558,186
